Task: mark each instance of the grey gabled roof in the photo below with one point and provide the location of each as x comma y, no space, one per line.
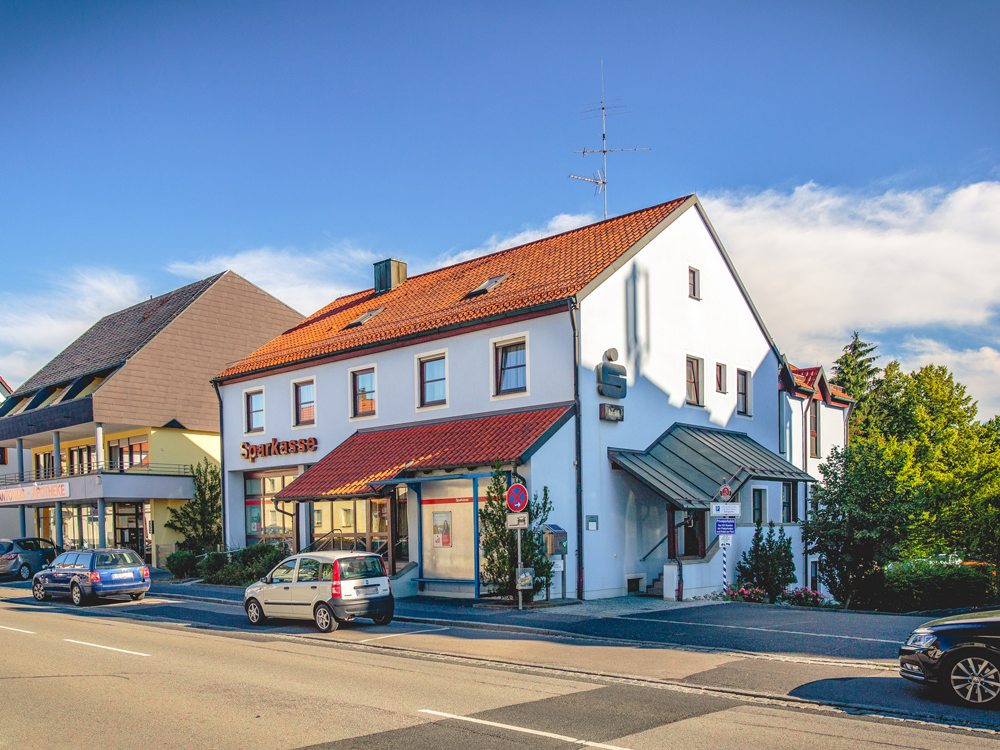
687,464
115,338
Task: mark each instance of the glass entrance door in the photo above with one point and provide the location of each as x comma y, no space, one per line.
130,531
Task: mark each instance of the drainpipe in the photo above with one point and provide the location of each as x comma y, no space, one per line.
572,307
222,470
805,485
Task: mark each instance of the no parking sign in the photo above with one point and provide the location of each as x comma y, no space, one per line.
517,498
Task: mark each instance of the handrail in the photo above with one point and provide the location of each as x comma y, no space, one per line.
655,546
93,468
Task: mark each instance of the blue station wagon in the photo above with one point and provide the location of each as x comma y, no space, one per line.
89,574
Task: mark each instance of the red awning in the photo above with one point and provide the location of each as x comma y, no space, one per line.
384,454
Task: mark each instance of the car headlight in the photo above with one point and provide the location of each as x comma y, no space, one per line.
920,640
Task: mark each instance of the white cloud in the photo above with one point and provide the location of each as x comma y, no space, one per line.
35,327
820,263
304,280
556,225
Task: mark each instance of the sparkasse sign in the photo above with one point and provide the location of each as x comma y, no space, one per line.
277,448
33,493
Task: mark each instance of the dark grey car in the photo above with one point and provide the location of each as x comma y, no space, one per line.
26,556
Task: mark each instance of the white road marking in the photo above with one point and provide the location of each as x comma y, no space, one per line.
525,730
410,632
18,630
108,648
786,632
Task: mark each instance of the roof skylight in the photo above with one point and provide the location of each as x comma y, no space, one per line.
364,318
487,285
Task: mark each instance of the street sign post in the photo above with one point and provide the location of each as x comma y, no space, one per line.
726,509
517,502
517,498
517,521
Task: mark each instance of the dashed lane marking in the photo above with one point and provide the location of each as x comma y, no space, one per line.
18,630
107,648
525,730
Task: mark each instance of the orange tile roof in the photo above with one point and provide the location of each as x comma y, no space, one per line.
806,376
541,273
380,455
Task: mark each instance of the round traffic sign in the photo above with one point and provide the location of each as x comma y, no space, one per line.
517,498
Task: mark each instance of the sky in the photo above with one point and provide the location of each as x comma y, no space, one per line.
848,153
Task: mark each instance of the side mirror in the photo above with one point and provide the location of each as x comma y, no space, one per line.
265,579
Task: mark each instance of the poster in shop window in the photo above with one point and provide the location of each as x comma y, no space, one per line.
442,528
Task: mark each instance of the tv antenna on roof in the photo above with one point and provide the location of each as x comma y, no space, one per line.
601,178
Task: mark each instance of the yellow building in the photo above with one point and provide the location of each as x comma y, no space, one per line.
100,442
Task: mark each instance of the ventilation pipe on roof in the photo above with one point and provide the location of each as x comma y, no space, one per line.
389,274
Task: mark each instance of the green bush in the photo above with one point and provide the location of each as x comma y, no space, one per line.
243,566
804,597
182,564
917,586
768,564
211,564
745,593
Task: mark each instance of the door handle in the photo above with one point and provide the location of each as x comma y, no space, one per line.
286,588
312,587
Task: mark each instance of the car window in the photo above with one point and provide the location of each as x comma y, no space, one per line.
6,547
83,560
28,545
326,572
308,570
43,544
283,573
125,558
58,562
360,567
69,561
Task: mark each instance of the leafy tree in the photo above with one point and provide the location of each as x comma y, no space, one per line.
855,371
199,520
769,563
498,568
866,504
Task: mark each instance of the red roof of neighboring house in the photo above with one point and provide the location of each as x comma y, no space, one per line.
806,377
380,455
3,383
541,273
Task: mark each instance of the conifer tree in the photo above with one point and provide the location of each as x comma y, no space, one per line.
200,519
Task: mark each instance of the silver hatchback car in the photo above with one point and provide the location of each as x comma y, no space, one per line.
26,556
326,587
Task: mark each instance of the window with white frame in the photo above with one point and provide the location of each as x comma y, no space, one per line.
694,283
743,384
433,380
694,381
254,411
720,377
510,368
304,406
363,392
814,429
759,504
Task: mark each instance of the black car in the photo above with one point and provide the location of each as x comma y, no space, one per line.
960,655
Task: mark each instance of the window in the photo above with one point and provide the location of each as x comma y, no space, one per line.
283,573
814,429
743,392
487,285
364,318
693,380
511,368
814,575
318,517
759,501
694,283
305,403
720,377
432,381
363,393
308,570
255,411
813,502
788,509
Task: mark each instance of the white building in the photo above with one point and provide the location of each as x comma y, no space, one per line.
392,403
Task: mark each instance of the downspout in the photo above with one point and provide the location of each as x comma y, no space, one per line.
805,485
572,305
222,468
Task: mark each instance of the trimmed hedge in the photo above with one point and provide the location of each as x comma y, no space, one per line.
243,566
918,586
182,564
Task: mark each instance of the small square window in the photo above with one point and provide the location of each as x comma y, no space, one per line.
694,283
432,381
694,381
305,403
720,377
255,411
511,368
363,393
743,392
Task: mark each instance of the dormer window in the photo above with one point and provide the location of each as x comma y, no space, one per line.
487,285
364,318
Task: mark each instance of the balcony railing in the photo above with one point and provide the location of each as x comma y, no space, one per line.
108,467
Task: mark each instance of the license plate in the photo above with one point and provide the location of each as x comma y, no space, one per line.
366,590
121,575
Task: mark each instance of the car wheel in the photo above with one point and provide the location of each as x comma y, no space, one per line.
974,680
38,591
325,621
24,572
138,597
77,595
255,613
382,619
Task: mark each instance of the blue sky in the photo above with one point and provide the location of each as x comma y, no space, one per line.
846,151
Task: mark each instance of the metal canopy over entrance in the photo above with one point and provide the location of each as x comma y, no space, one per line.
687,464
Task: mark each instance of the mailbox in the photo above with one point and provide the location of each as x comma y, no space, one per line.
611,381
556,542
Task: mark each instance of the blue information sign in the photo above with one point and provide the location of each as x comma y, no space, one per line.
725,526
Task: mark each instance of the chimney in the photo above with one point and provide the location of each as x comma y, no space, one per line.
389,274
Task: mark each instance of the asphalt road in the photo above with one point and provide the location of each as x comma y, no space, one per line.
190,674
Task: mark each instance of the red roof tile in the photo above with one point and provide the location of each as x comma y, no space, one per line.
384,454
540,273
4,384
806,376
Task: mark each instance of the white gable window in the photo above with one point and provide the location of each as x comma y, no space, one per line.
694,283
720,377
695,384
743,395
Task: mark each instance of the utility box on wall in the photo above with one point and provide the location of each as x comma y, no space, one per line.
556,541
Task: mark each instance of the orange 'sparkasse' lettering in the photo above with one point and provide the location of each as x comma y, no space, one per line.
277,448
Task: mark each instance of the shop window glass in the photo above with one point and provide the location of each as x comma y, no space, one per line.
512,368
254,524
363,388
432,381
305,403
255,411
252,486
272,485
